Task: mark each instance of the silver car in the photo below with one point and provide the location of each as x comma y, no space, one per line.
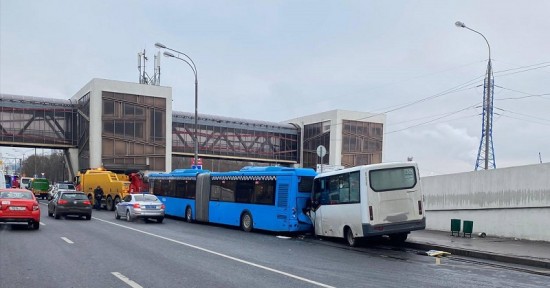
146,206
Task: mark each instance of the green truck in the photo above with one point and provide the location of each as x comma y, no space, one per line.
40,187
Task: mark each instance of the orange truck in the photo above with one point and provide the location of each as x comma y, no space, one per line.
115,187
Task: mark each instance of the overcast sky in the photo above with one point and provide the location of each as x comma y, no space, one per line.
277,60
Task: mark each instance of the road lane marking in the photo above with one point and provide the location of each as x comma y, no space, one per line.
67,240
126,280
223,255
41,223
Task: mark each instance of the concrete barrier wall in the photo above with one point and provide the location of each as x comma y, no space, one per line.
506,202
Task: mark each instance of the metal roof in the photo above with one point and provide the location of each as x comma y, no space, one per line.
35,100
231,120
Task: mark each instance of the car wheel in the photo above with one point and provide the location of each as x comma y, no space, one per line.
246,222
117,216
89,217
159,220
188,215
34,225
55,214
128,216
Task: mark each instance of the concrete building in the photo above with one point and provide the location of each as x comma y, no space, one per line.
124,125
350,138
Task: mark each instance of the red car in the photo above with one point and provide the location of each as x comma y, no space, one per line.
19,206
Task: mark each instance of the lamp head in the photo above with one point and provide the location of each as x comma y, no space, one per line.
460,24
168,54
159,45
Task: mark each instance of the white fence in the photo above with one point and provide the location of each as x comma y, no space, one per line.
505,202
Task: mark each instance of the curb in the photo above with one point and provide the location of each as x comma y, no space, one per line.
479,254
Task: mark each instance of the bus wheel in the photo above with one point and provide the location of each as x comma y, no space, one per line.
188,215
110,206
352,242
246,222
398,238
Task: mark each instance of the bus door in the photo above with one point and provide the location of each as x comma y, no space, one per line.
393,195
321,207
202,197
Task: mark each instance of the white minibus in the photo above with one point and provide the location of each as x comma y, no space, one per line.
368,201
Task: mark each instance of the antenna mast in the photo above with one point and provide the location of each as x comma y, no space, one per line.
143,76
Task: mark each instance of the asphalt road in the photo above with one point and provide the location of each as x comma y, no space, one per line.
105,252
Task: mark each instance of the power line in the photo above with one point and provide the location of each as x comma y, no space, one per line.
525,115
529,95
545,64
438,118
527,120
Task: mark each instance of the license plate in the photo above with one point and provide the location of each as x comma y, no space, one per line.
17,208
150,207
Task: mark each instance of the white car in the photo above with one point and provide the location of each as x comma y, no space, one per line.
145,206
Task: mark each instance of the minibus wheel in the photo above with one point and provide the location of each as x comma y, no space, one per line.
352,242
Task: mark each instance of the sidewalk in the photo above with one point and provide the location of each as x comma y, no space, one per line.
509,250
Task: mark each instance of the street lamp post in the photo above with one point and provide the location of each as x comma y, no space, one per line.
194,68
63,174
486,143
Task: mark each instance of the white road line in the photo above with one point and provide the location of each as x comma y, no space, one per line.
223,255
41,223
67,240
126,280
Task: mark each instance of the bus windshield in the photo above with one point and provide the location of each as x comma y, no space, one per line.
305,185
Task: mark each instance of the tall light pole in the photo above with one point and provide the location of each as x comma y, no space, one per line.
486,143
194,68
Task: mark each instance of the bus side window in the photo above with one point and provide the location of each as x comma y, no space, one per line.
215,192
354,187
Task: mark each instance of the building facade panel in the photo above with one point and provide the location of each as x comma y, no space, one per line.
125,120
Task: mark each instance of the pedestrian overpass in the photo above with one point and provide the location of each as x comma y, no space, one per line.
36,122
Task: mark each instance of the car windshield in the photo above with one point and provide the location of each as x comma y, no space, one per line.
146,197
74,196
16,195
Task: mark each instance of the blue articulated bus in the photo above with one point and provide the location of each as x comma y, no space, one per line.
177,191
269,198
